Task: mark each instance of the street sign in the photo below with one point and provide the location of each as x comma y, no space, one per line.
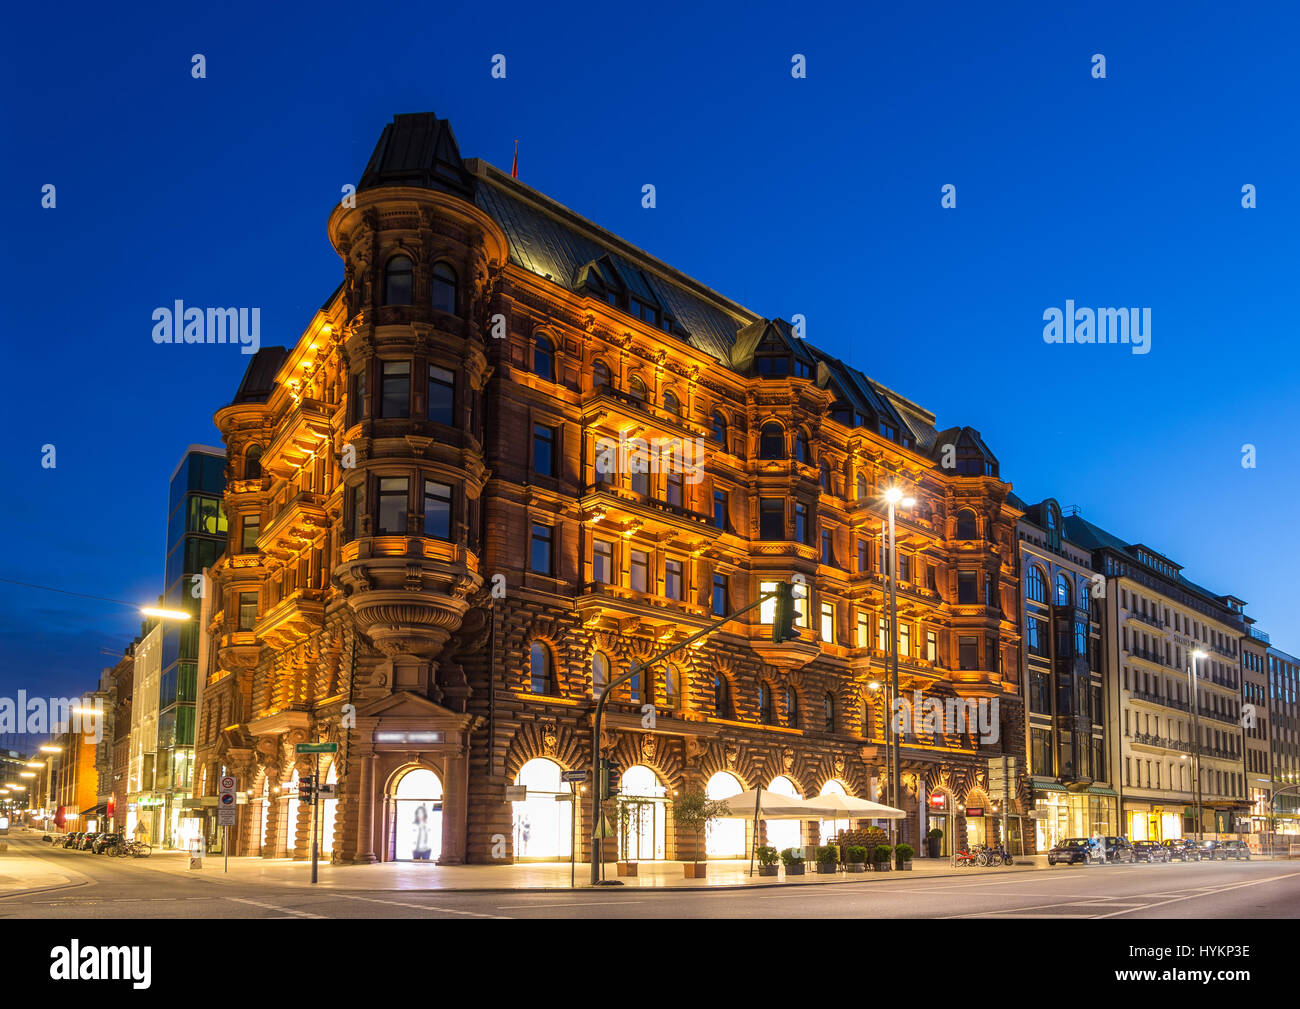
227,783
516,793
326,791
573,777
974,811
226,816
316,748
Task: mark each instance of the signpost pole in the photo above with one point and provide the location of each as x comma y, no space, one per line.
225,850
315,808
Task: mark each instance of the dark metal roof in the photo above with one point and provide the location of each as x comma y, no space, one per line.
259,377
418,149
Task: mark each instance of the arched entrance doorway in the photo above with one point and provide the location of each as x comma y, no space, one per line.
782,834
938,816
724,838
543,825
642,830
979,818
417,817
830,828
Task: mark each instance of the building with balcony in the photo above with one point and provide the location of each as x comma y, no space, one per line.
1284,739
438,553
1065,680
1154,620
1255,727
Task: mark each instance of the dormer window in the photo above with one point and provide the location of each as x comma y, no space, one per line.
772,366
802,369
643,311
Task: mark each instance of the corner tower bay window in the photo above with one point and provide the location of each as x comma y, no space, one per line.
782,834
397,281
642,816
417,817
724,838
444,288
395,389
437,510
442,394
392,505
543,824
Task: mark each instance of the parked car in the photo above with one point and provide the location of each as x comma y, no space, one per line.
1118,849
1071,850
1235,849
1182,849
70,840
1209,850
103,841
87,839
1150,851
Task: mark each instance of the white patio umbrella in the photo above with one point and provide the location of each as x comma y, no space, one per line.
843,807
764,804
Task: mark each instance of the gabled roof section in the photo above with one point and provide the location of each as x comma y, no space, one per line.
418,149
259,377
974,457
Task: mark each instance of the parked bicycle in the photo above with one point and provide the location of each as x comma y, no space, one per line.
133,849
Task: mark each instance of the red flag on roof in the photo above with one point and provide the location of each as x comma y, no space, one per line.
514,167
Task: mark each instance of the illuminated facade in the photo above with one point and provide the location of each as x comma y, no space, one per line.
433,563
1255,727
1284,718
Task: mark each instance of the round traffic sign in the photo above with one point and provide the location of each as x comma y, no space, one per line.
227,800
227,783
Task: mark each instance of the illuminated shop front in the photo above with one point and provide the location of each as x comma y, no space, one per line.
543,823
724,838
643,815
782,834
417,817
1061,813
1154,823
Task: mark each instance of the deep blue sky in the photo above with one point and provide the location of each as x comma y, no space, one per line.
818,196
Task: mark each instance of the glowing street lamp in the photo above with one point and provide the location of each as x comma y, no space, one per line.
164,614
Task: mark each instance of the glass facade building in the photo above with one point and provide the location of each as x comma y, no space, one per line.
196,537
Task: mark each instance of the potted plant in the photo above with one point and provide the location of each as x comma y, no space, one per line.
767,860
626,813
828,859
881,857
694,811
903,856
793,861
932,841
855,858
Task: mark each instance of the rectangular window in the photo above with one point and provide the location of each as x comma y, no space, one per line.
640,570
356,408
543,549
771,518
602,562
395,389
1040,751
905,640
251,529
674,488
358,505
800,523
967,588
721,600
673,579
864,629
882,635
393,505
828,548
1040,692
442,395
931,579
1036,636
931,646
864,560
543,450
968,652
766,609
247,610
720,509
828,622
905,569
437,510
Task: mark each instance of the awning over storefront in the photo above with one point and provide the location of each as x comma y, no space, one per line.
1101,790
1047,785
99,810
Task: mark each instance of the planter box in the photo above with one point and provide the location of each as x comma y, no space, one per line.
768,870
627,868
794,870
824,868
881,866
855,867
696,870
905,866
932,846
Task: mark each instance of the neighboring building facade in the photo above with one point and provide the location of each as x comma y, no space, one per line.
14,801
196,536
437,431
144,803
76,783
1255,727
1066,682
1284,717
1154,620
123,703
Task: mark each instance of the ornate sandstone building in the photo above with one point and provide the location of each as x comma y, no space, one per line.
432,561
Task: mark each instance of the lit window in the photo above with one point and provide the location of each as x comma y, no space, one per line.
828,622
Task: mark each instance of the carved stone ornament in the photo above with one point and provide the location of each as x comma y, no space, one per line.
549,738
648,746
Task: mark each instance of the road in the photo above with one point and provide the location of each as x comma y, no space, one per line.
125,888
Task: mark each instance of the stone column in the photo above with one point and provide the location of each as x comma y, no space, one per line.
455,808
366,811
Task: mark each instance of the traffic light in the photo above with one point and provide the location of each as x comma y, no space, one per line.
783,628
306,784
609,776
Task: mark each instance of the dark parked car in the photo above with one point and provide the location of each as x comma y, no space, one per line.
103,841
87,839
1209,850
70,840
1235,849
1071,850
1182,849
1118,849
1150,851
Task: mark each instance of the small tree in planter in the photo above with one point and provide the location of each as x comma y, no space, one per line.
628,811
793,861
828,857
855,858
694,811
903,856
932,841
881,859
767,860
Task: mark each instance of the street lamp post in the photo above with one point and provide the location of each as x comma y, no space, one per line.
51,750
1196,733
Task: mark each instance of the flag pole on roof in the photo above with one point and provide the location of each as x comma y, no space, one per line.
514,167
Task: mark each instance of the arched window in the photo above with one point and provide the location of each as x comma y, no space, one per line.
771,441
253,463
672,404
397,281
600,375
724,838
1085,596
862,487
719,429
636,389
673,687
543,358
539,662
765,704
967,528
417,816
444,288
599,671
826,477
1036,585
801,450
791,708
722,697
828,712
1064,595
543,826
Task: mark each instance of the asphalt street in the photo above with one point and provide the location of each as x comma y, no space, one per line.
108,888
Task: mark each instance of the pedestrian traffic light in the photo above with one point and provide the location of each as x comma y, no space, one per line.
783,628
609,777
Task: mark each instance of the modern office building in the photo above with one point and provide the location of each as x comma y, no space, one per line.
1255,728
196,535
1284,718
453,520
1066,681
1167,724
